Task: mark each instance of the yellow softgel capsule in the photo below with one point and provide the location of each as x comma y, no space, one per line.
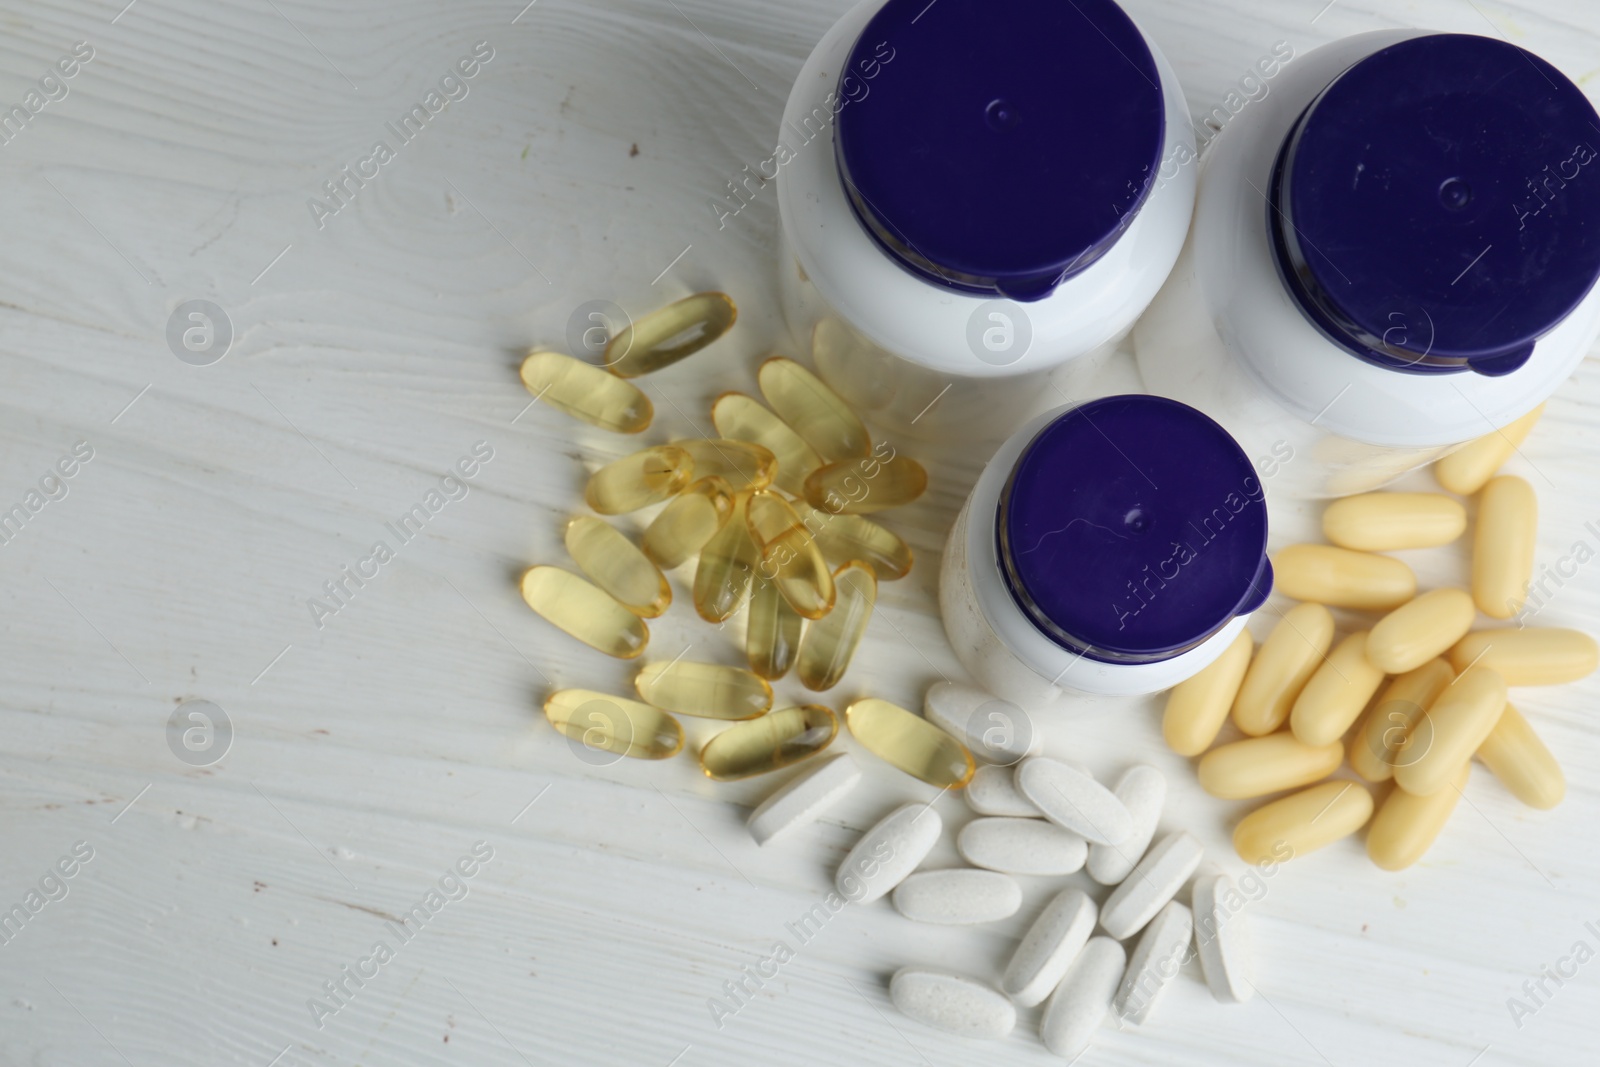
727,564
745,419
616,565
769,743
1529,656
1302,822
830,642
669,334
1380,744
705,690
772,636
790,558
1257,766
1407,825
1197,708
1336,692
1281,668
1503,545
689,520
1466,469
909,742
743,465
843,538
1416,632
636,481
585,392
1515,755
604,723
1342,578
585,611
812,410
1455,725
1385,522
863,486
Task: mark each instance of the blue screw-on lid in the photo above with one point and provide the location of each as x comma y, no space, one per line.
999,147
1437,207
1132,529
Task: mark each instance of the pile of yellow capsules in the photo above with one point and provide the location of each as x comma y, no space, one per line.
1445,701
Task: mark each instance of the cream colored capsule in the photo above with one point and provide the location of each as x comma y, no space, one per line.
616,565
669,334
1261,765
646,477
772,635
586,392
1381,742
743,465
1385,522
604,723
1337,691
830,642
790,558
744,418
1197,708
1414,633
812,410
1406,826
1530,656
705,690
1302,822
1285,661
1466,469
689,520
843,538
585,611
1503,545
1341,578
863,486
1456,724
727,566
1522,762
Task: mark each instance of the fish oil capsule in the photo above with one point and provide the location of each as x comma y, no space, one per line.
830,642
1530,656
1381,742
745,419
743,465
604,723
1336,692
775,740
1285,662
1197,708
1257,766
1516,756
647,477
772,636
862,486
1503,545
706,690
727,565
1457,723
1405,826
843,538
1341,578
1386,522
790,558
585,611
1414,633
586,392
1466,469
669,334
812,410
909,742
616,565
689,520
1302,822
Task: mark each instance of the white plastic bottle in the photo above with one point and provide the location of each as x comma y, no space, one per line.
1111,549
977,202
1394,251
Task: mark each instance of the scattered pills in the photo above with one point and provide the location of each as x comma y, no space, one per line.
636,481
1197,708
830,643
1142,790
1257,766
743,465
1155,879
605,723
727,566
706,690
1021,846
909,742
1221,938
1458,721
1388,522
790,558
1071,799
584,611
992,790
1414,633
959,896
843,538
1466,469
616,565
1406,825
586,392
863,486
1155,962
1380,742
773,741
800,800
951,1002
888,852
1341,578
1503,545
994,730
1080,1003
1281,668
1048,948
1515,755
690,519
1529,655
1336,693
669,334
772,632
745,419
1302,822
812,410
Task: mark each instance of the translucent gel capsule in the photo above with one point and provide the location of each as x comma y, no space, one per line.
790,558
1503,545
646,477
1406,825
705,690
585,611
909,742
830,642
1530,656
1283,664
1261,765
585,392
727,564
1416,632
1335,694
1466,469
743,465
862,486
1515,755
1341,578
772,636
669,334
1381,742
1302,822
1458,721
687,522
1385,522
605,723
812,410
843,538
1197,708
769,743
744,418
616,565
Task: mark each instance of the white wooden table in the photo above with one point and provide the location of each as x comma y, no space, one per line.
369,754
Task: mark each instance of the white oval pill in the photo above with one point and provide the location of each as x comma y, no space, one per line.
994,730
1070,798
1221,937
888,852
959,896
1156,961
1155,880
1142,790
1049,947
993,791
951,1002
1021,846
1080,1002
803,798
